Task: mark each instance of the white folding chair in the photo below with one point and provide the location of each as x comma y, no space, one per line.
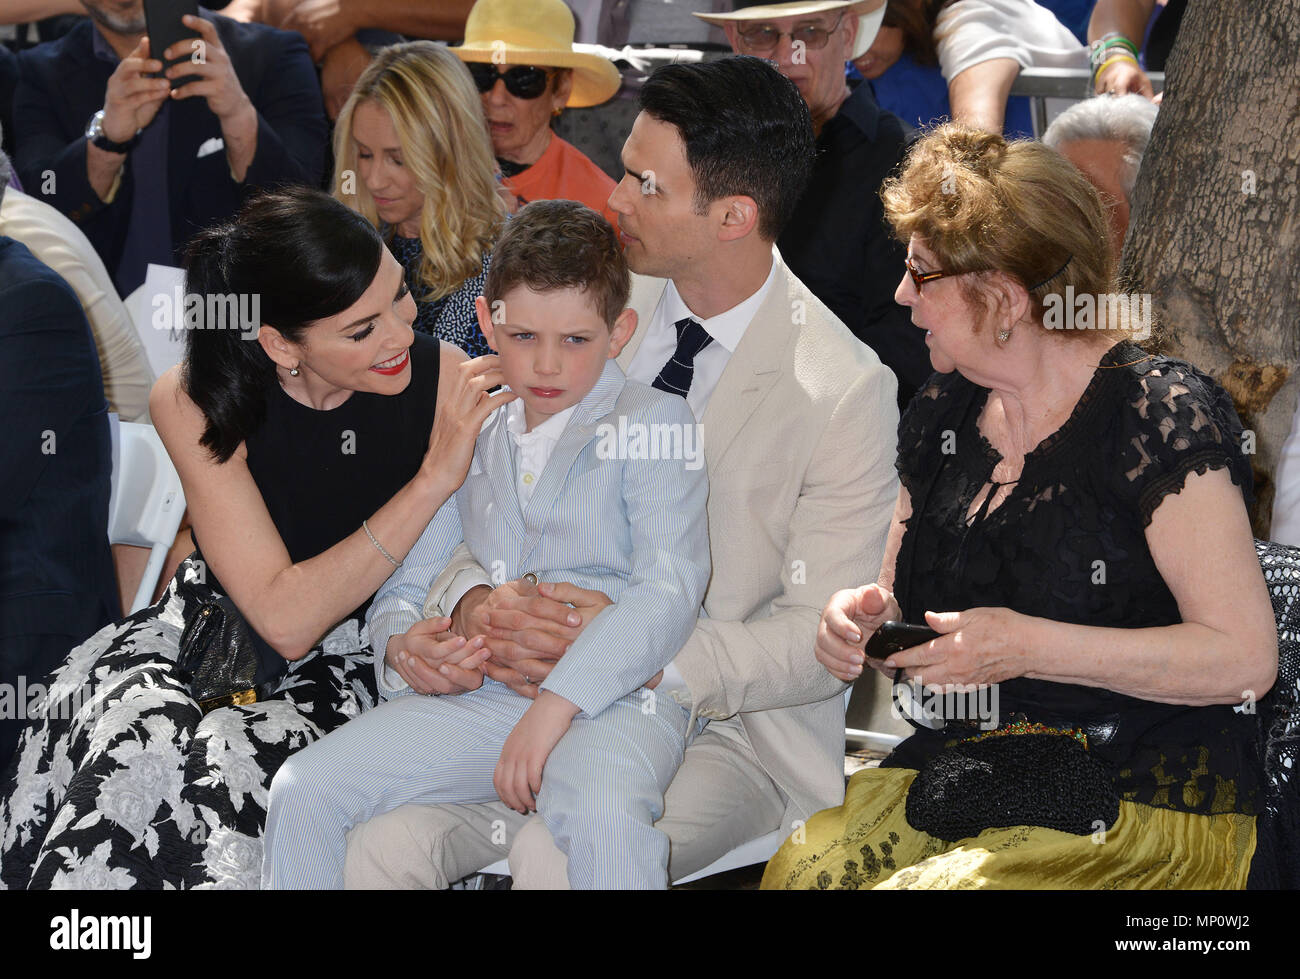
147,502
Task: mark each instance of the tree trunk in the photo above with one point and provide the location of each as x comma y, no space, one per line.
1215,232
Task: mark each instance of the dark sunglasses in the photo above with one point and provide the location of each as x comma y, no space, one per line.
522,81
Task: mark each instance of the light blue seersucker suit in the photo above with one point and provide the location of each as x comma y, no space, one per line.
634,528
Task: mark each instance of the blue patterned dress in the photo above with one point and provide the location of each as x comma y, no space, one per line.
451,317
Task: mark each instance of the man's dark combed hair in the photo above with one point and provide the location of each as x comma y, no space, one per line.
306,257
746,130
552,245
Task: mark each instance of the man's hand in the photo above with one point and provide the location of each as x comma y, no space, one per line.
518,776
433,661
470,617
132,99
322,23
216,82
205,57
529,627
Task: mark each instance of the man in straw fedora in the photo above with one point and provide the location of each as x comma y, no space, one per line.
837,243
521,55
798,423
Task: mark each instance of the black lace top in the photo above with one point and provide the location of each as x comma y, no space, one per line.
1068,544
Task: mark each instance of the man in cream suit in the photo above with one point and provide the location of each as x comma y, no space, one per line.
800,426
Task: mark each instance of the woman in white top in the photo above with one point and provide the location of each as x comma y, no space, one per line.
980,46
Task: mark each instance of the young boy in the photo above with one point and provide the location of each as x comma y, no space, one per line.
559,487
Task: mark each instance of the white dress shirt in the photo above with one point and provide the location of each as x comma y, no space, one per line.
532,449
726,329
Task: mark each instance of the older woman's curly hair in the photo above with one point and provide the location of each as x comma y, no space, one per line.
982,204
428,93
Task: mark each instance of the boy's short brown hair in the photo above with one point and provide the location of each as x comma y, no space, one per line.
561,245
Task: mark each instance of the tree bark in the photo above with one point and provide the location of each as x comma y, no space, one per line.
1215,228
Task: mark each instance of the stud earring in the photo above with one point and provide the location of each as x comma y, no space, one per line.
1004,336
294,372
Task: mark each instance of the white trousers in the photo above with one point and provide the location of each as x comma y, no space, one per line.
602,787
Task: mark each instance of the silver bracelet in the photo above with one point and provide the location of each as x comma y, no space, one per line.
365,525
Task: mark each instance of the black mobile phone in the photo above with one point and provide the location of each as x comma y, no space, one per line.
163,24
894,637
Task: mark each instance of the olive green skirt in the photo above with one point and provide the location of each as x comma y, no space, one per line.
867,842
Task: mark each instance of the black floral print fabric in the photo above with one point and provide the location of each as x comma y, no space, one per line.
122,783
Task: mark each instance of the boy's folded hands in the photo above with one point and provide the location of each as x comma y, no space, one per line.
433,661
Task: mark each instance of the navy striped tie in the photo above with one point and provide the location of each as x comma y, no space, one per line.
676,376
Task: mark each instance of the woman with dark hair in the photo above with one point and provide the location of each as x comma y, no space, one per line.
315,435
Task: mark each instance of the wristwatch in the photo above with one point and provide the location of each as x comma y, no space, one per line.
95,133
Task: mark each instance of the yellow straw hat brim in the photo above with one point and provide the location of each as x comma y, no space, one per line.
595,79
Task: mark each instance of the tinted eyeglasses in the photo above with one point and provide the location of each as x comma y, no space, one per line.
919,278
522,81
763,38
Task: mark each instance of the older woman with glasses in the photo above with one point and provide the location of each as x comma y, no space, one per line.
1061,491
521,55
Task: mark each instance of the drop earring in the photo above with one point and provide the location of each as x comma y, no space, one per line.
294,372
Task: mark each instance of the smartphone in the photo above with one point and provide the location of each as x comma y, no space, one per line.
894,637
163,24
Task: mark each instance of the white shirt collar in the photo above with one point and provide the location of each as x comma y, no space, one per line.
549,430
726,328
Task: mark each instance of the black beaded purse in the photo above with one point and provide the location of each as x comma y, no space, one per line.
218,658
1020,774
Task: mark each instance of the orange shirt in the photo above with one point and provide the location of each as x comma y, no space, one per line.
564,173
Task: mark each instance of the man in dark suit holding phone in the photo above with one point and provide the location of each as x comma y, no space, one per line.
140,165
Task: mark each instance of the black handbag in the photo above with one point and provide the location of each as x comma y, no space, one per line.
1018,775
218,658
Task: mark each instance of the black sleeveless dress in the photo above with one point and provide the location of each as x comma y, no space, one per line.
121,782
321,473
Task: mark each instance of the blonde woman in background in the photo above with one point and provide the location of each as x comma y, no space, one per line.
412,155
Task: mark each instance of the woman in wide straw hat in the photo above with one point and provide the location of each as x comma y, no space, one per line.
521,55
